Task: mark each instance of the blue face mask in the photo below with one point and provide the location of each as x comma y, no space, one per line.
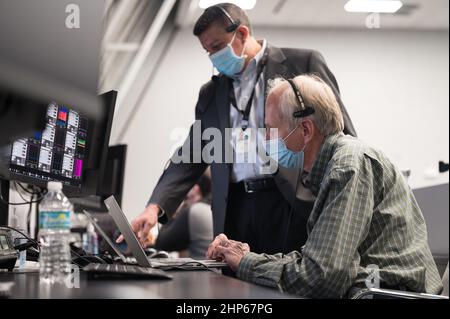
227,62
286,158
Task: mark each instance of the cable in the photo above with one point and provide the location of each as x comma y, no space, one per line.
26,236
29,215
4,201
39,247
24,246
77,264
25,190
20,194
18,237
79,256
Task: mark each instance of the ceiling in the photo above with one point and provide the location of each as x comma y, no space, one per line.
415,15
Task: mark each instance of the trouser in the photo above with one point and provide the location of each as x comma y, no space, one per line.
264,220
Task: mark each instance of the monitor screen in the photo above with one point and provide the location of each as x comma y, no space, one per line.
57,153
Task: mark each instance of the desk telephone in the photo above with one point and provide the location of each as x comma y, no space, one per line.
8,255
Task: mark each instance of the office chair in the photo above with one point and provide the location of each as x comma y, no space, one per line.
376,293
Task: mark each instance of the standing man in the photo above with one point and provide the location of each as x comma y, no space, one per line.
248,205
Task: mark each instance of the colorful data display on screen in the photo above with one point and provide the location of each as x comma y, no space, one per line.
57,153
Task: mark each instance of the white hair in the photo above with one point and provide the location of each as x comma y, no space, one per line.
316,94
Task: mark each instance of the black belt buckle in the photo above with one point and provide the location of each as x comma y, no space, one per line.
258,185
247,188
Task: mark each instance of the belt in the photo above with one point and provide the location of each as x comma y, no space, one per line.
258,185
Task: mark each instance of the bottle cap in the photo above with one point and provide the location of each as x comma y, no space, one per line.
54,186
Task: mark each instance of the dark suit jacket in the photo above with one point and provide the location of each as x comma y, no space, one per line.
213,110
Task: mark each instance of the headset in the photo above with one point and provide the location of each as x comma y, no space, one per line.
234,23
305,110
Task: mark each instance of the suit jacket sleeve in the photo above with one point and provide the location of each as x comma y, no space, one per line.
318,66
178,179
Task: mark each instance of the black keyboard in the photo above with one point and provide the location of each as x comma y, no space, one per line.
117,270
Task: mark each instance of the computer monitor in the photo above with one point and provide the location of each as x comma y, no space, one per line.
110,182
114,173
99,142
72,149
57,153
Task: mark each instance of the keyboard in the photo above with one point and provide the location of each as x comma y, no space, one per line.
185,263
179,263
117,270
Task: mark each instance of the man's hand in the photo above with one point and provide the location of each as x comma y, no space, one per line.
233,253
143,224
220,240
227,250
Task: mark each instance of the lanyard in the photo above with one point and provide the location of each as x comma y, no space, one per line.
246,113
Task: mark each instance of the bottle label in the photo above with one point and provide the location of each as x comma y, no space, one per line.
54,220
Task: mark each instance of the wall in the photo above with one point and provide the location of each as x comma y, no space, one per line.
393,83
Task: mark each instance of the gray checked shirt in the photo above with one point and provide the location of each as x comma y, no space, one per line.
365,217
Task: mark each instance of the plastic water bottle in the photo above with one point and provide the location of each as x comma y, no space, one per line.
55,212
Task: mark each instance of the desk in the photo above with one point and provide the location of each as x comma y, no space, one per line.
184,285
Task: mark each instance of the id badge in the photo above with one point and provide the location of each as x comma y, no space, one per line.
243,141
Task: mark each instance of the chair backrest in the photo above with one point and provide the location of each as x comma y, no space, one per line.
434,204
445,282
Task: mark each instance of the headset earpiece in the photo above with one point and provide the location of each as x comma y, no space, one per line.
304,109
234,26
234,23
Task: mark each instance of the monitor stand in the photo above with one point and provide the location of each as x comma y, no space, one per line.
93,203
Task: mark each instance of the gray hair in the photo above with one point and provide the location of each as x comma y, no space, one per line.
316,94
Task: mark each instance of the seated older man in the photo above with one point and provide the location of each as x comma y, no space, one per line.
365,216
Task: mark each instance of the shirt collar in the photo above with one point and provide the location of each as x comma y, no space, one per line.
258,57
321,163
254,62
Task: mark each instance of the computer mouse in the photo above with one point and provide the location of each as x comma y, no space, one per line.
160,254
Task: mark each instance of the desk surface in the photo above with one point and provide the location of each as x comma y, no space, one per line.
184,285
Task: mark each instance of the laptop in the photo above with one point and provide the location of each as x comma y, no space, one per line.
141,258
108,240
127,268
